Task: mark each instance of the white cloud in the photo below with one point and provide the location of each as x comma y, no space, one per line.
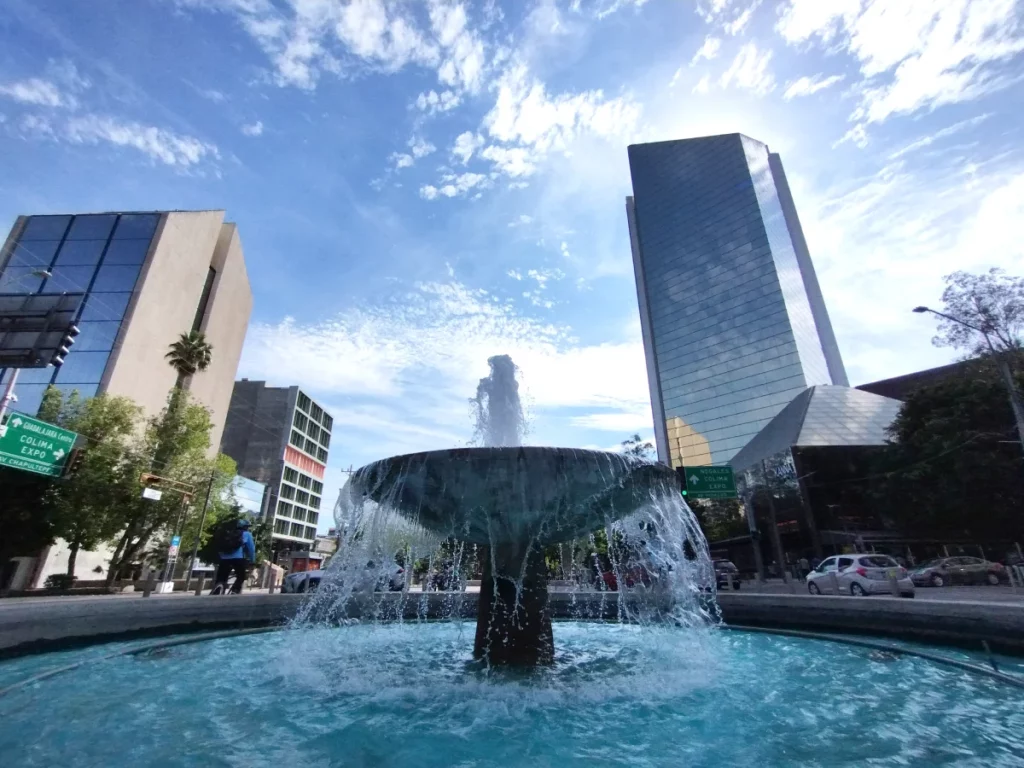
421,147
253,129
515,274
521,220
466,144
434,344
926,141
514,162
401,160
454,185
542,276
807,86
463,61
158,144
740,23
914,55
749,71
212,94
703,86
564,249
518,184
708,51
36,91
432,102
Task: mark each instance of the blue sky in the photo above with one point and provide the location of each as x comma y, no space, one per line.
422,184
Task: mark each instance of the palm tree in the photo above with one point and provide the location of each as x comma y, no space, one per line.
189,355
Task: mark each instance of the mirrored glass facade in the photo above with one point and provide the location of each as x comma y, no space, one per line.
100,255
733,321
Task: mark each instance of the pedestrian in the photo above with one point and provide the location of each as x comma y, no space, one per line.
235,550
805,567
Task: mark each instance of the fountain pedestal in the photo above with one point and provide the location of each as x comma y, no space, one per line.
513,622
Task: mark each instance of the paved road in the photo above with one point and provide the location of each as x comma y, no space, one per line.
1000,594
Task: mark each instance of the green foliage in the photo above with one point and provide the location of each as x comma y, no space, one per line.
636,447
992,302
720,518
85,507
954,467
61,581
189,355
26,525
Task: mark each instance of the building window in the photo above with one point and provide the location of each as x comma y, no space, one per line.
300,421
328,422
305,481
105,306
284,508
313,431
287,491
311,533
317,487
92,227
136,226
125,251
80,253
296,439
310,447
45,227
281,526
313,517
321,454
325,438
116,277
291,475
314,502
299,514
83,368
204,299
304,402
296,530
301,497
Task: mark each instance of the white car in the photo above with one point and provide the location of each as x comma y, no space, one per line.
859,575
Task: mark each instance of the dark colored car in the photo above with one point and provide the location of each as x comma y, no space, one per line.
724,570
958,570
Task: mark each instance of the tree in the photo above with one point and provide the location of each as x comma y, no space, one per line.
175,446
189,355
719,518
637,448
26,526
258,528
83,505
992,302
952,468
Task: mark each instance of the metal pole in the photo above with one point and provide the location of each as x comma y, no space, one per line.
755,538
169,567
199,533
776,538
8,392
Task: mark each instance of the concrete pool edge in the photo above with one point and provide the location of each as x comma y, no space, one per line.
47,625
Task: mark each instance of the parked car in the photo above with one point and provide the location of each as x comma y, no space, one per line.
859,575
309,581
725,571
958,570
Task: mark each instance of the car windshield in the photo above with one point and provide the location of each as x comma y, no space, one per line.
725,565
878,561
930,563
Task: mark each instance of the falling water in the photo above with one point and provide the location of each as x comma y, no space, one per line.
616,528
499,414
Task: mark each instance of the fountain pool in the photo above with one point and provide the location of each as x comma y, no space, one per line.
409,694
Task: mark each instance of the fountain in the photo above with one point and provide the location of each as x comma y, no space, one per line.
512,501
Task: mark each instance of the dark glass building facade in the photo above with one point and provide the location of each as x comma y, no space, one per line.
733,319
100,255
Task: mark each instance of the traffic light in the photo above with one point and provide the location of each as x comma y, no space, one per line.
74,462
67,340
681,476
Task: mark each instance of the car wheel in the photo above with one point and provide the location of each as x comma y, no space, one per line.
992,579
857,590
813,588
937,580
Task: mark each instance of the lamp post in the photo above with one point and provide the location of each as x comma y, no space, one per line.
1016,401
9,396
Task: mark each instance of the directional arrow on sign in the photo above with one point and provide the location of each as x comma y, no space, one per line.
58,454
694,479
16,421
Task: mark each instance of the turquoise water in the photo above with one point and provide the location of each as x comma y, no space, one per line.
406,695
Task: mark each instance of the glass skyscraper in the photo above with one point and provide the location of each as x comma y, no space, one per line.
733,320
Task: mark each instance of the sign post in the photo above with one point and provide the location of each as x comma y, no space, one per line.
708,482
35,446
167,585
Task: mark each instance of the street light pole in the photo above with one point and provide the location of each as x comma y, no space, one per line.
1016,401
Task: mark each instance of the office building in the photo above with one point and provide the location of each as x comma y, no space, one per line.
733,321
280,437
147,278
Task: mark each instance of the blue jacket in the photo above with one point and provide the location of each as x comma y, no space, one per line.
248,547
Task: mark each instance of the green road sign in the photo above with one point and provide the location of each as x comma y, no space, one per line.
34,445
709,482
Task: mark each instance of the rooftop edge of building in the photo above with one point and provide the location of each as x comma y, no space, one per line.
738,134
